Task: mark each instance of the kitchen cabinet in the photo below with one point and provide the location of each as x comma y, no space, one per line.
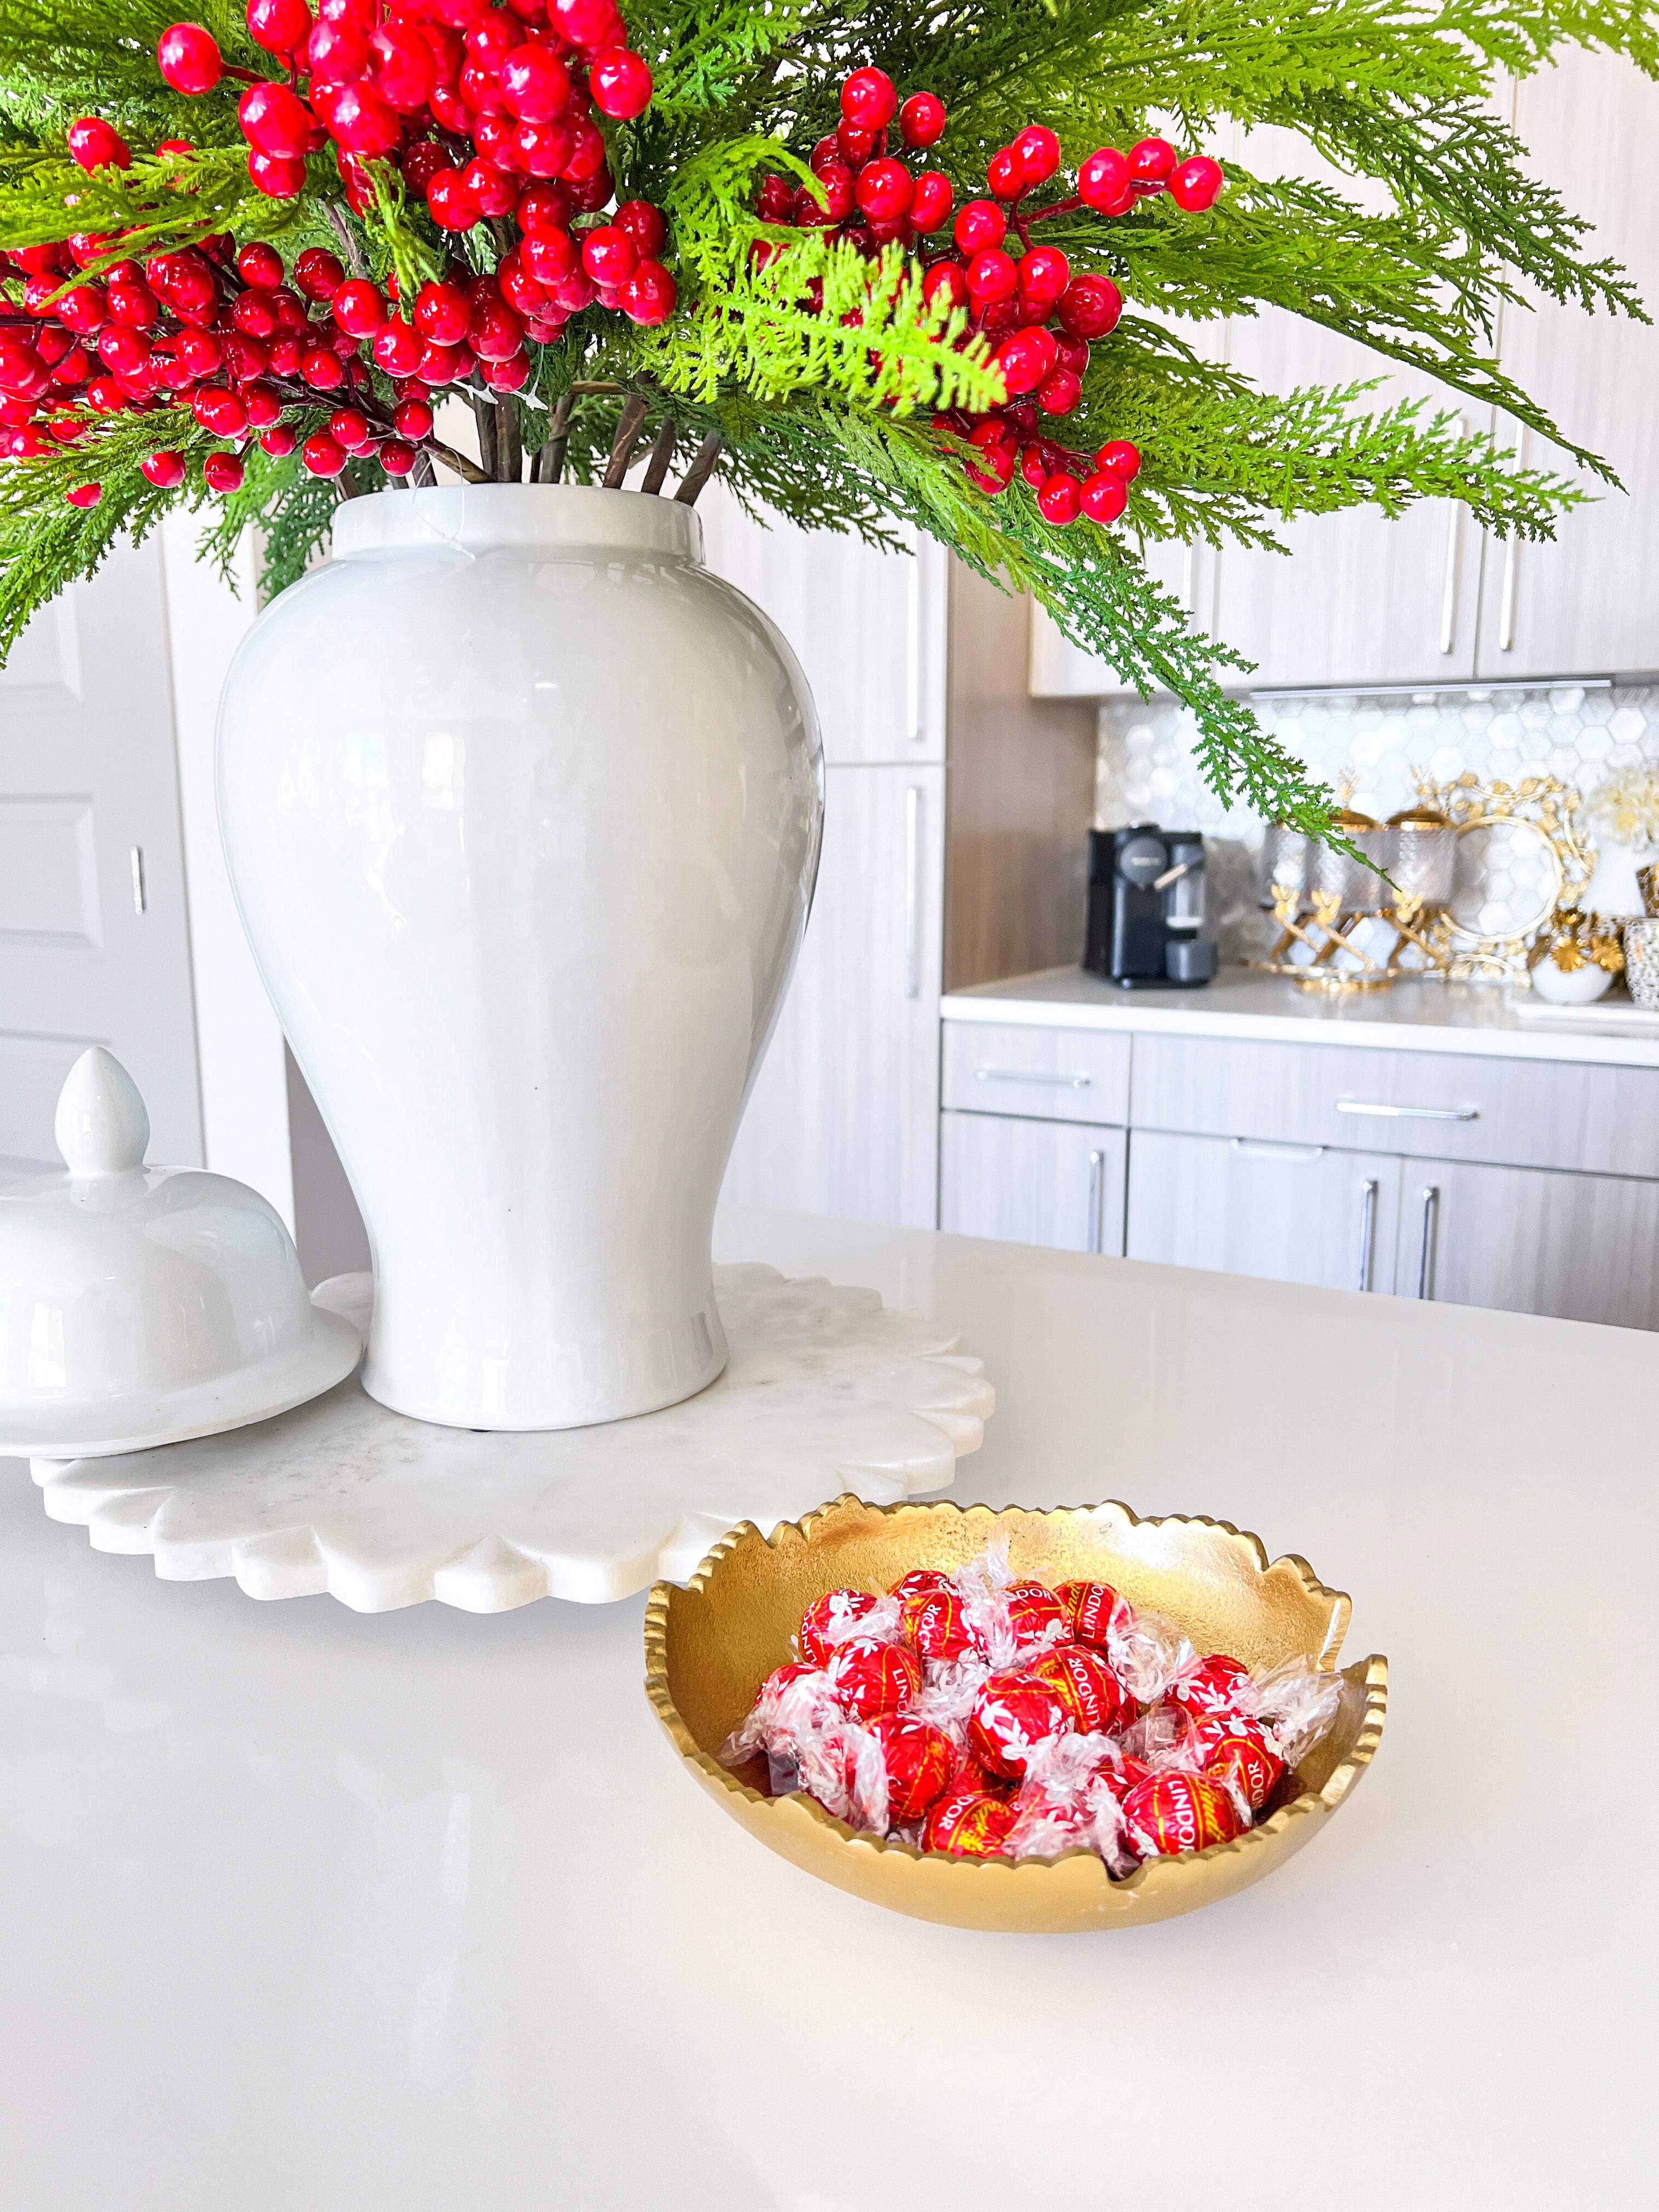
868,627
1031,1182
1582,1247
1516,1113
1355,599
1060,669
843,1117
1296,1213
1584,603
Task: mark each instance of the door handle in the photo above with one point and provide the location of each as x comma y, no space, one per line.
1096,1196
1367,1230
1449,595
1425,1257
913,892
1253,1148
140,887
1407,1113
1021,1075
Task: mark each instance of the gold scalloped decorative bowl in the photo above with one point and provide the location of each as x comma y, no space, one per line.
710,1644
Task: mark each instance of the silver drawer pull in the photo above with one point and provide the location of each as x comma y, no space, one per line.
1019,1075
1097,1192
1426,1258
1408,1112
1367,1232
1255,1148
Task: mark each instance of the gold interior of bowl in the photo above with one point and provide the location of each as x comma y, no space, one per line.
711,1643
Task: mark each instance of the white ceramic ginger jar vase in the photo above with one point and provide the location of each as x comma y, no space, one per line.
522,808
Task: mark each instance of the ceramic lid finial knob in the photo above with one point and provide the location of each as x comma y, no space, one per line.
101,1127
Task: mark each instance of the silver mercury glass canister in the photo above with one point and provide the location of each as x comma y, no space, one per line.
1425,855
1358,889
1286,865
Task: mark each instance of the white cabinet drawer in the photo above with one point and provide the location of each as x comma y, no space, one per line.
1054,1075
1056,1183
1518,1113
1295,1213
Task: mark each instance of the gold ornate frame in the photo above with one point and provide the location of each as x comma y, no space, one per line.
1543,805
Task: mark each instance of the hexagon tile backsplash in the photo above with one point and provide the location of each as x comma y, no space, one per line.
1145,770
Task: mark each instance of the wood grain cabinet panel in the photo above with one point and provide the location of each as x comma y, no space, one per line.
1582,1247
1547,1114
1055,1183
843,1117
1051,1075
1585,603
1294,1214
868,627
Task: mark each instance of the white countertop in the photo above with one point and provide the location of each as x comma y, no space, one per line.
310,1912
1463,1018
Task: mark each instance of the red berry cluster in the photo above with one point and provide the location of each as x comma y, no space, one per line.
488,113
1041,316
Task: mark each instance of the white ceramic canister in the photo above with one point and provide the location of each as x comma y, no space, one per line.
522,808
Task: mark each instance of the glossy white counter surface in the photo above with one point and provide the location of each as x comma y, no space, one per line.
1467,1018
313,1912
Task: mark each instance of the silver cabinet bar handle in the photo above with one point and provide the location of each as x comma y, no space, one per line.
1408,1112
1506,603
1367,1232
1097,1192
1448,596
1021,1075
912,891
1426,1258
140,888
1258,1148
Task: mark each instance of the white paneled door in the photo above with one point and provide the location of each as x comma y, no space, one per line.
94,943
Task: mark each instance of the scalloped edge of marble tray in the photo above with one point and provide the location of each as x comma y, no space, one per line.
343,1498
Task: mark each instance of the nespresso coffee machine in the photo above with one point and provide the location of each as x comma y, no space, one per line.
1146,908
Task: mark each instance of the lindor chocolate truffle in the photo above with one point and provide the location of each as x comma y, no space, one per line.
972,1714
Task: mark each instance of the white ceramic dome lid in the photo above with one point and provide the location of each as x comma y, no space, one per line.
141,1306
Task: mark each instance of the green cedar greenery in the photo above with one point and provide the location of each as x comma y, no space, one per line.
834,427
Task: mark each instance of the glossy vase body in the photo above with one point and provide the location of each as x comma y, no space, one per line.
522,808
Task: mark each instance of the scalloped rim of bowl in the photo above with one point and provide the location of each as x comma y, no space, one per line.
1160,1885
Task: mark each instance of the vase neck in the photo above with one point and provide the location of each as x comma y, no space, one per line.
477,518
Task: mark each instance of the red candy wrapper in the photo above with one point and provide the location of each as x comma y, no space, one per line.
1012,1713
1210,1686
1012,1621
1086,1686
919,1580
1171,1813
935,1621
870,1679
973,1827
920,1764
1239,1756
1069,1800
1093,1608
829,1620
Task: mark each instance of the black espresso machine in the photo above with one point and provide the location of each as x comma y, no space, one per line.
1146,908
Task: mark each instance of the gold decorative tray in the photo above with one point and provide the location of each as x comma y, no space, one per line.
711,1642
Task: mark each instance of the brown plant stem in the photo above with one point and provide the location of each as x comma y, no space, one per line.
509,445
627,437
468,470
662,452
701,469
551,460
349,246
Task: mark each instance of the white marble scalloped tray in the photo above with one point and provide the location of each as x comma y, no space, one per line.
826,1389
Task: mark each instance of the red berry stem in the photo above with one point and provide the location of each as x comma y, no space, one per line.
1056,207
